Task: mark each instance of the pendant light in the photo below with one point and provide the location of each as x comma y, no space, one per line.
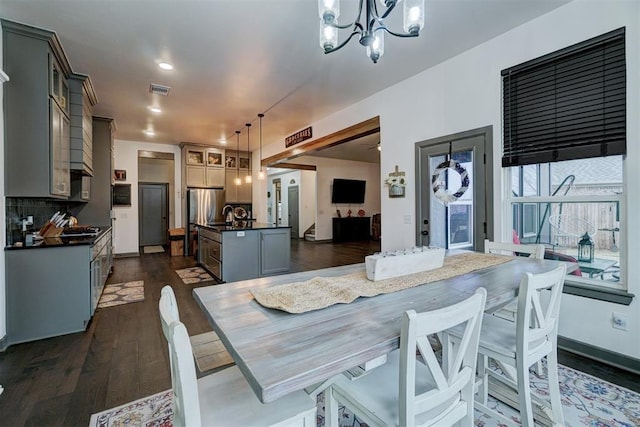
261,173
248,178
238,181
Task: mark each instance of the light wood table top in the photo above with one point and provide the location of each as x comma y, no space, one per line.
279,352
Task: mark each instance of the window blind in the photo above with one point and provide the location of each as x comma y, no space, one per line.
569,104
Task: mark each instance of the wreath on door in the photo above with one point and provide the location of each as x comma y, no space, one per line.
439,185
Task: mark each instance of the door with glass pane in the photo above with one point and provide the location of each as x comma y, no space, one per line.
459,222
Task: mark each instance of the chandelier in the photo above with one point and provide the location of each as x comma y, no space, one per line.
371,31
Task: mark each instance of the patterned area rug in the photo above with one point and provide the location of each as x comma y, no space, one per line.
586,401
122,293
152,249
193,275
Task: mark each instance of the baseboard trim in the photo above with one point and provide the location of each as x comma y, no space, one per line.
127,255
601,355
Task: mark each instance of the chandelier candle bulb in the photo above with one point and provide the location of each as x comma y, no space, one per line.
402,262
413,17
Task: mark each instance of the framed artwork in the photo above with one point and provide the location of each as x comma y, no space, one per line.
214,159
195,157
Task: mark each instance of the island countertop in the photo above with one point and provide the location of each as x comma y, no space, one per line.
242,225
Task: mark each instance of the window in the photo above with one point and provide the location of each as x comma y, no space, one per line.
564,146
580,196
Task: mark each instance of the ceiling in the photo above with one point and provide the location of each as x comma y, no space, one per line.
236,58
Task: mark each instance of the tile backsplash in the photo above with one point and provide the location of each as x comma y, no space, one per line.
41,209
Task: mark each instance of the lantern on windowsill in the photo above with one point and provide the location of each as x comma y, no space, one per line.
585,249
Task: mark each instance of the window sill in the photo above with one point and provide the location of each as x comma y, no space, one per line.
601,293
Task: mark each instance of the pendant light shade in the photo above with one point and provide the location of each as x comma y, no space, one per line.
238,181
248,178
261,173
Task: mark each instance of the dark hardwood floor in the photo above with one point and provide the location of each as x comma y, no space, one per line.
122,356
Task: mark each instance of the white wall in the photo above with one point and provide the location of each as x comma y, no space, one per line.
126,225
308,191
464,93
326,170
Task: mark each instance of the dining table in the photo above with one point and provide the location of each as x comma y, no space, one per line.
279,352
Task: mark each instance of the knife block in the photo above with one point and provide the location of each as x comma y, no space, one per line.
50,230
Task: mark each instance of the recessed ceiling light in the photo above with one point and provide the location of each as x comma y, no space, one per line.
155,109
149,132
165,66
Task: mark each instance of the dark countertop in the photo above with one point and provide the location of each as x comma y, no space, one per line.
63,241
242,226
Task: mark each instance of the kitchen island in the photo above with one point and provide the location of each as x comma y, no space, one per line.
243,250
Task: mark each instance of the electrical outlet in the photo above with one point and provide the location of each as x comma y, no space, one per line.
620,321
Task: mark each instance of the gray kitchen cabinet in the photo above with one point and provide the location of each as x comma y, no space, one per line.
209,251
54,291
195,176
275,251
97,210
237,166
80,188
240,255
237,193
244,253
214,167
215,177
60,172
82,100
100,266
36,108
203,167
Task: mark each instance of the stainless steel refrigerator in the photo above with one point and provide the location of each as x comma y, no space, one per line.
204,206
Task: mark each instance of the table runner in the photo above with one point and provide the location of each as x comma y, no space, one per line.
322,292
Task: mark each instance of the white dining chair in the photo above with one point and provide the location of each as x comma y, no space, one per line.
519,345
223,398
533,250
407,391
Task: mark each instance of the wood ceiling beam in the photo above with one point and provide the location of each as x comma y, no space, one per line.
356,131
298,166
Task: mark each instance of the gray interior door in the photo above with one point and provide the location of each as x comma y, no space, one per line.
294,211
460,223
153,214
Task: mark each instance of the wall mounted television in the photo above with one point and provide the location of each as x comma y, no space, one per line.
348,191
